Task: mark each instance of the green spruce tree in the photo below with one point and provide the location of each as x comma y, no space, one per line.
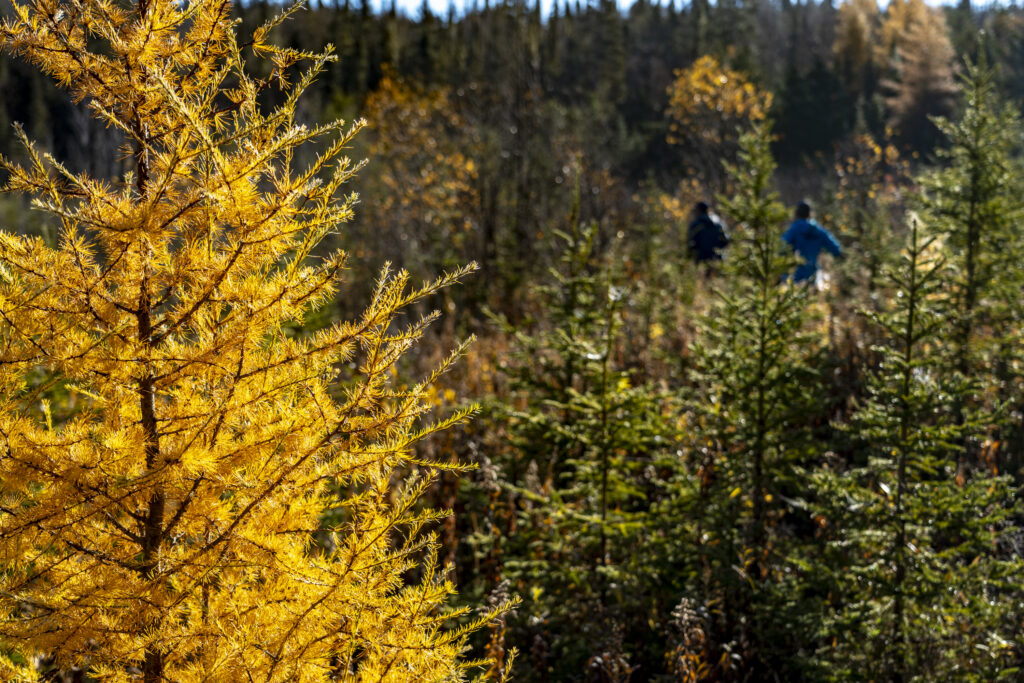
921,560
975,204
587,437
758,395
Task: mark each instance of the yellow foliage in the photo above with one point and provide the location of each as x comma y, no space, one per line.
902,17
908,48
915,39
421,177
857,28
708,101
871,178
677,208
171,528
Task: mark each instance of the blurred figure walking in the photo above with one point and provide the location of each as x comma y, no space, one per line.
706,237
807,239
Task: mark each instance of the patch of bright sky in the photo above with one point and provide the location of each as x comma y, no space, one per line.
412,8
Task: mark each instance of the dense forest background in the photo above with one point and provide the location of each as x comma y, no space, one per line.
478,117
689,476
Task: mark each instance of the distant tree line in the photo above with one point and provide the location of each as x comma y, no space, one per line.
611,68
527,94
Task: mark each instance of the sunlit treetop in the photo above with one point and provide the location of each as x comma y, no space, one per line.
708,101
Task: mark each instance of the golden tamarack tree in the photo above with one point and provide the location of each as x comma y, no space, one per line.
170,526
709,107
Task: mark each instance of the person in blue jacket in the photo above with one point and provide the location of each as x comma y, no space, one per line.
807,239
707,235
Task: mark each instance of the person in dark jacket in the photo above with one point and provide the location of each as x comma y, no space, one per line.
707,236
807,239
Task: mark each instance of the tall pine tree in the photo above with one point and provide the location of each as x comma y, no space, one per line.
758,393
975,203
923,562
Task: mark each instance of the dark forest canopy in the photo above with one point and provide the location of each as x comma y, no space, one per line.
509,100
602,72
